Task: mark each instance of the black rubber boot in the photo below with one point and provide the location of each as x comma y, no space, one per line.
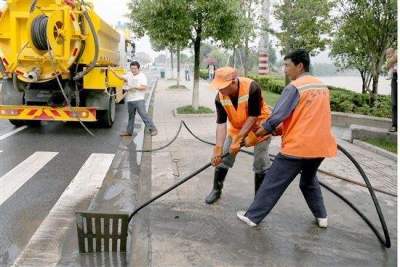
258,179
219,177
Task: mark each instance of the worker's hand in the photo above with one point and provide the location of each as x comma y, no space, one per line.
217,156
261,132
278,131
235,146
250,140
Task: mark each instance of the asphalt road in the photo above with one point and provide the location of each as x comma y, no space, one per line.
37,166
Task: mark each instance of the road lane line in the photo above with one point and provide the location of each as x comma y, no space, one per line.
45,246
4,136
19,175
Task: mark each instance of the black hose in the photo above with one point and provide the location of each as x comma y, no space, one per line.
184,180
96,48
39,32
374,199
385,241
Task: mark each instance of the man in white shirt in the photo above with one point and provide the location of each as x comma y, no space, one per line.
136,83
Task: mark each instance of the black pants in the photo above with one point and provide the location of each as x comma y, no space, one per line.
394,99
278,178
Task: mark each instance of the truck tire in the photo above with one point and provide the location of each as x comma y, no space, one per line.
106,117
19,123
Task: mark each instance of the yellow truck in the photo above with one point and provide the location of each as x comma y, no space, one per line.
54,60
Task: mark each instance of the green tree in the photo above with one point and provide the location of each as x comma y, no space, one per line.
304,24
348,53
248,29
186,21
371,26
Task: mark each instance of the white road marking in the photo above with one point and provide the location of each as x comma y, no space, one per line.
18,176
45,247
4,136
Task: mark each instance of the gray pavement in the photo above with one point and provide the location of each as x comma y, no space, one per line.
24,212
184,231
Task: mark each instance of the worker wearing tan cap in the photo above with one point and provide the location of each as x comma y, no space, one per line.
240,112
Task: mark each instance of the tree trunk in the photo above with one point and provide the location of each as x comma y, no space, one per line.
234,58
374,91
246,57
178,67
196,74
172,63
364,81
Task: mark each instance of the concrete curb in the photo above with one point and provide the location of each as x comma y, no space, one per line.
362,132
201,115
342,119
375,149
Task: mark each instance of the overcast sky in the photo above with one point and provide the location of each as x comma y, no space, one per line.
112,12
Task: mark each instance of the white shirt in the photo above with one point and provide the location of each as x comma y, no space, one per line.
135,81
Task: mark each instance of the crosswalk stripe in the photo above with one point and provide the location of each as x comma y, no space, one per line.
44,248
4,136
17,177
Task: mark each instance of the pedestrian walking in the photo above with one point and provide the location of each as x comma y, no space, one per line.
136,83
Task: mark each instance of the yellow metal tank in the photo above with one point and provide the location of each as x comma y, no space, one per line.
26,33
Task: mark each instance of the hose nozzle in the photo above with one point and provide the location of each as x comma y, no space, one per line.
34,74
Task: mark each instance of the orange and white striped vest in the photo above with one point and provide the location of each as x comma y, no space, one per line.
307,132
237,117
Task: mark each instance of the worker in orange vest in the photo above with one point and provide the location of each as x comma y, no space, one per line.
303,117
240,104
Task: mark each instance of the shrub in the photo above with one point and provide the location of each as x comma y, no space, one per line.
342,100
203,74
271,84
189,110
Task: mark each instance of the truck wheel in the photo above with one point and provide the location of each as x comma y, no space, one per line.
19,123
106,117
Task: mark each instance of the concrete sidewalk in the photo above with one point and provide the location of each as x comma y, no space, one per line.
183,231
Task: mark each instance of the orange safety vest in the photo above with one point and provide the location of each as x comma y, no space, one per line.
237,117
307,132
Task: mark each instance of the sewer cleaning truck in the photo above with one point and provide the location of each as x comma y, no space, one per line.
54,61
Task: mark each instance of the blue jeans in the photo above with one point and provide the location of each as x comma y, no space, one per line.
278,178
138,106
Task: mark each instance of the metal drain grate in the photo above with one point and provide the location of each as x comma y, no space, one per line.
102,232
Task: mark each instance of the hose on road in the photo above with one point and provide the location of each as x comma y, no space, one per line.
384,240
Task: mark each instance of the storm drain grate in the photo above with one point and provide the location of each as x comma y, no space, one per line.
102,232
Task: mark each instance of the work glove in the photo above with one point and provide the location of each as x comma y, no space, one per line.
235,146
250,140
261,132
217,156
277,131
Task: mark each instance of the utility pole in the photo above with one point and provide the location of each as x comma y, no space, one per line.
263,68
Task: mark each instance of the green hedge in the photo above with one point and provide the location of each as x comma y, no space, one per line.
342,100
271,84
189,110
203,74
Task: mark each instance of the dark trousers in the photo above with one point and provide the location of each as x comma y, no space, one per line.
394,99
278,178
138,106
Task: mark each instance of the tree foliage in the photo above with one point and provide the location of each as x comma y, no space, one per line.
365,29
304,24
186,22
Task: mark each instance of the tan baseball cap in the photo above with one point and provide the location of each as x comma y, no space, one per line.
223,77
